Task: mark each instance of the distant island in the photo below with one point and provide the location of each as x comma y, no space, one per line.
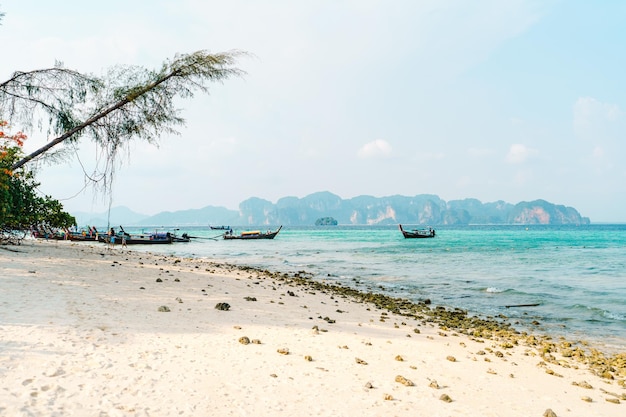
326,221
423,209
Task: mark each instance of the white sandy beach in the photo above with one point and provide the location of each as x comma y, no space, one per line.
82,334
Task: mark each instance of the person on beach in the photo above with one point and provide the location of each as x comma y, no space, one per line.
111,239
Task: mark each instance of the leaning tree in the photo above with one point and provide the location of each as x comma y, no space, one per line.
129,102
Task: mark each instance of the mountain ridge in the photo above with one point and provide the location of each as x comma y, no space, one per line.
421,209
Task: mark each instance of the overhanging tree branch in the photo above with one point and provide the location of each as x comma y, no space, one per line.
88,122
132,103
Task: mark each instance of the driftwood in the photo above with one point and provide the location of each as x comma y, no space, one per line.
523,305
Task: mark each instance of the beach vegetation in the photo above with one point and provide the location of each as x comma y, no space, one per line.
21,205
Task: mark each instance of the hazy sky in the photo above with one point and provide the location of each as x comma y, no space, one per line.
494,100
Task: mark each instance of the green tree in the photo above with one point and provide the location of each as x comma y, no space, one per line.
21,208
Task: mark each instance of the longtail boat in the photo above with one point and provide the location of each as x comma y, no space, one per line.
253,234
417,233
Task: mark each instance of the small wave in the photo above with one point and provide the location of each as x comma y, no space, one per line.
600,312
614,316
494,290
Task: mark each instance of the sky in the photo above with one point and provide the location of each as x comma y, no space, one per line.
495,100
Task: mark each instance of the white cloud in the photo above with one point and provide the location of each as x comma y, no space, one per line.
376,149
519,153
592,116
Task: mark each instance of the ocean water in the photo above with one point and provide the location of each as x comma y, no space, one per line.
577,274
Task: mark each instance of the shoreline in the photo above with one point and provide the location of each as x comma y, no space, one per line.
449,315
82,331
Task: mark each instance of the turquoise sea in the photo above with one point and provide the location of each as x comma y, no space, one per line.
577,274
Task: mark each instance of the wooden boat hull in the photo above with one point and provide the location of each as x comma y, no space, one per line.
150,238
417,233
253,235
81,238
147,239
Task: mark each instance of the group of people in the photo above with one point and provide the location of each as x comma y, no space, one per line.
112,236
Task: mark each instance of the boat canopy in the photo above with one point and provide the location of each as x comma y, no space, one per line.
253,232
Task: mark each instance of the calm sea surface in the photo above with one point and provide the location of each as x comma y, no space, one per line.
577,274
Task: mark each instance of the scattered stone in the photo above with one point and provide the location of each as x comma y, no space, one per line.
360,361
388,397
549,413
256,342
587,399
451,358
308,358
551,372
159,280
57,372
478,330
180,300
274,375
369,385
222,306
582,384
244,340
399,358
612,400
434,384
283,351
164,309
250,298
445,398
404,381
